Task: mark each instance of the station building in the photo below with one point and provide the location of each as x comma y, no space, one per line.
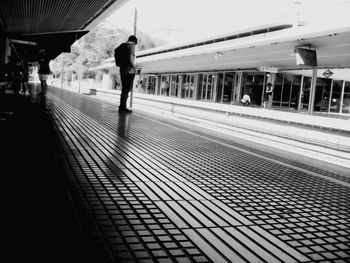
308,66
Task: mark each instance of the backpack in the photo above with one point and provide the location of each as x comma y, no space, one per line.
120,54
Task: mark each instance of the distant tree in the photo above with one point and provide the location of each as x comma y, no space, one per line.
96,46
147,42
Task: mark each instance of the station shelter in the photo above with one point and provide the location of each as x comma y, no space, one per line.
308,66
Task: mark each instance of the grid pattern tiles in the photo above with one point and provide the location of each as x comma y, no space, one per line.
153,192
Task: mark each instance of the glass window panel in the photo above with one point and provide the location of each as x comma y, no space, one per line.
164,85
246,85
257,89
219,92
200,86
286,90
187,87
228,87
253,86
174,85
335,96
305,95
346,98
204,86
151,85
209,87
277,90
323,87
143,84
294,101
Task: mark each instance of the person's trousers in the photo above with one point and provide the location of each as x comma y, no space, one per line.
127,84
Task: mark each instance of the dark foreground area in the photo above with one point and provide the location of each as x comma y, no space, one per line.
40,224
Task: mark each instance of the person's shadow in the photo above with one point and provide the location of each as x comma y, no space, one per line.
123,126
121,148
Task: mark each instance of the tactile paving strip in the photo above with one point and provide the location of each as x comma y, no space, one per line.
134,229
188,181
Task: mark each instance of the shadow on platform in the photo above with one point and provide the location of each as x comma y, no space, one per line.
39,223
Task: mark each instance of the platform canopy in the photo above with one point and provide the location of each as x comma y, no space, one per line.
51,24
268,46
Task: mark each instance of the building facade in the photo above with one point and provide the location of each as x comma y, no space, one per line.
290,91
223,69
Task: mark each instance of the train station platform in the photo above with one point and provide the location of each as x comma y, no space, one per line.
325,137
86,184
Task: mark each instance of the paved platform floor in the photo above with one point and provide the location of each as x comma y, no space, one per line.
87,184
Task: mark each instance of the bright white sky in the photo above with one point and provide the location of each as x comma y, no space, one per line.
183,20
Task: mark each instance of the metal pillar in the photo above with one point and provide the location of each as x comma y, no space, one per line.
312,91
342,97
81,63
300,92
135,25
239,87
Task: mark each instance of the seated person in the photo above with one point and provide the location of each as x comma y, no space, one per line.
246,99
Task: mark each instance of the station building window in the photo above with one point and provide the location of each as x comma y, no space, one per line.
253,85
187,86
322,94
291,91
335,99
225,87
286,91
219,92
206,86
346,98
164,85
150,84
305,94
142,85
295,92
277,90
174,85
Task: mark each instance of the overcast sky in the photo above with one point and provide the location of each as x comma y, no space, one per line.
183,20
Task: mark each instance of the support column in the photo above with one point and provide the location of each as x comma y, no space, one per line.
157,85
300,92
179,86
239,87
195,84
312,91
342,97
214,90
131,97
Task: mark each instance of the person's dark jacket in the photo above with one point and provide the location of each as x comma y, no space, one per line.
44,67
129,67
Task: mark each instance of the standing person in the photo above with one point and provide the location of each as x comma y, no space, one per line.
127,72
44,70
268,96
25,77
164,88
